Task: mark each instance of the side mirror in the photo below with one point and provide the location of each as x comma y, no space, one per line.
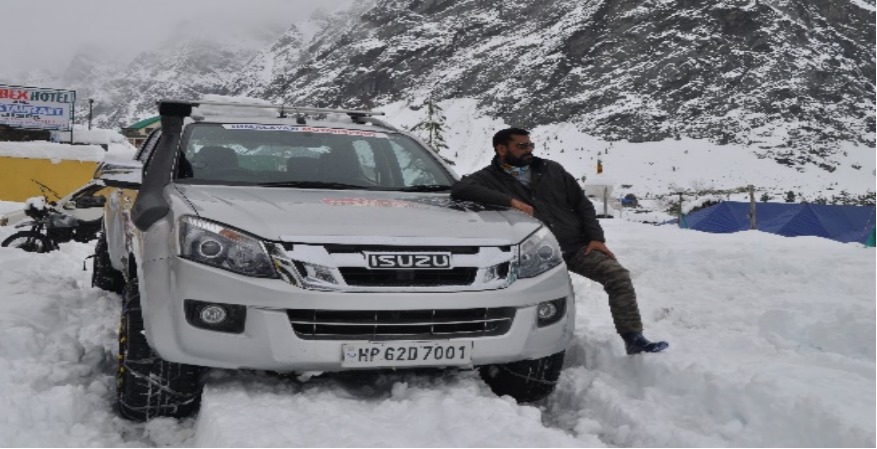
86,202
124,176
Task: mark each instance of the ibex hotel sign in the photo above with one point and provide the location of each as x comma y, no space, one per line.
34,107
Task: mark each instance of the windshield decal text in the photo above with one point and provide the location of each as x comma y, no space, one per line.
303,129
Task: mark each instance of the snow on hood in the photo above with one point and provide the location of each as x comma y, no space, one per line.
356,216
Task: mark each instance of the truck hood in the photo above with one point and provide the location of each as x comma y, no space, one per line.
356,216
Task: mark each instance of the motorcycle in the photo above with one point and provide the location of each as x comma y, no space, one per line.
51,224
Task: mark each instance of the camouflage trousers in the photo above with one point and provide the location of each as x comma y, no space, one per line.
615,279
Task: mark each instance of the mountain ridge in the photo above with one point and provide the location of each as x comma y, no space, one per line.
788,78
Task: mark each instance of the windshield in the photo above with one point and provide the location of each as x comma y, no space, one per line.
307,157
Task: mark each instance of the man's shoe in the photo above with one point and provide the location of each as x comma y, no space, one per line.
635,343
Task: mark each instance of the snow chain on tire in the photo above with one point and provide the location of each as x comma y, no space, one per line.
526,380
146,386
103,275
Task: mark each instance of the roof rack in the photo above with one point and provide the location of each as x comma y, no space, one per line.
353,113
362,119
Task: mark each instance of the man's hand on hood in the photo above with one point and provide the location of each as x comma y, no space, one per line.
522,206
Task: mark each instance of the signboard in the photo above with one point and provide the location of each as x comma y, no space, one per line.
35,107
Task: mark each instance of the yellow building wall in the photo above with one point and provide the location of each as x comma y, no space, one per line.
62,176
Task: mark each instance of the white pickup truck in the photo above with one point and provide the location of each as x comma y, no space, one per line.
254,237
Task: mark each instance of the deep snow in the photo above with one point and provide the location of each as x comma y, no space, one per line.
772,344
772,338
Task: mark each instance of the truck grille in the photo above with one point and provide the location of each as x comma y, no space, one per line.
400,324
394,268
363,277
347,249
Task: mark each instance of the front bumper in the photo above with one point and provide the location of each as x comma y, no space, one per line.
269,342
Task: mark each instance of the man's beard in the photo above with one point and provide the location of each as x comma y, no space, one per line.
522,161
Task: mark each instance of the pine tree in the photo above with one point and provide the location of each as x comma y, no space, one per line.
433,126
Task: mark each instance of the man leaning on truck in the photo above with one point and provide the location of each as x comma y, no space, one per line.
545,190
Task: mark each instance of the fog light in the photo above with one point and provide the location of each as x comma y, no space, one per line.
213,314
216,317
546,311
550,312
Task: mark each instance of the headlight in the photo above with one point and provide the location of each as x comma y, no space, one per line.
223,247
302,274
538,254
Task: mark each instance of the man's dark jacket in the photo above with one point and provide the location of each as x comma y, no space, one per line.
556,197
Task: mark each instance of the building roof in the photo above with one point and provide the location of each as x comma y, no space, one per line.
145,122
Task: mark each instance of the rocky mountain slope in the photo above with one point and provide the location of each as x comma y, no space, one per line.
790,77
169,73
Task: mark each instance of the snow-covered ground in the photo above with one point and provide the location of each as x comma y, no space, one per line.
772,338
772,344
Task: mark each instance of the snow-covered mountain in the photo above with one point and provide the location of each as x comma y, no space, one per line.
193,61
791,77
92,64
789,80
283,56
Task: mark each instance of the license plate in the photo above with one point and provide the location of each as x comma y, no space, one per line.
406,353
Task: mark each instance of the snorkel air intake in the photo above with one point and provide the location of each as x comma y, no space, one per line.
151,205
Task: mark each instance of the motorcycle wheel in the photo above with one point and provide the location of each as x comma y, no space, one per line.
30,241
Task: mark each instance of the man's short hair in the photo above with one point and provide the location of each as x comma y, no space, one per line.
504,136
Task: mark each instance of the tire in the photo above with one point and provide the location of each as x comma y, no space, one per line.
103,275
30,241
526,380
146,386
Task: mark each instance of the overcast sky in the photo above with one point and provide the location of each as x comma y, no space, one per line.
45,33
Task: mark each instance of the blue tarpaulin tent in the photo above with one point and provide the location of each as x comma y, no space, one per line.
841,223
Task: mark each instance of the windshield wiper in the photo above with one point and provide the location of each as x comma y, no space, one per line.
311,185
426,188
